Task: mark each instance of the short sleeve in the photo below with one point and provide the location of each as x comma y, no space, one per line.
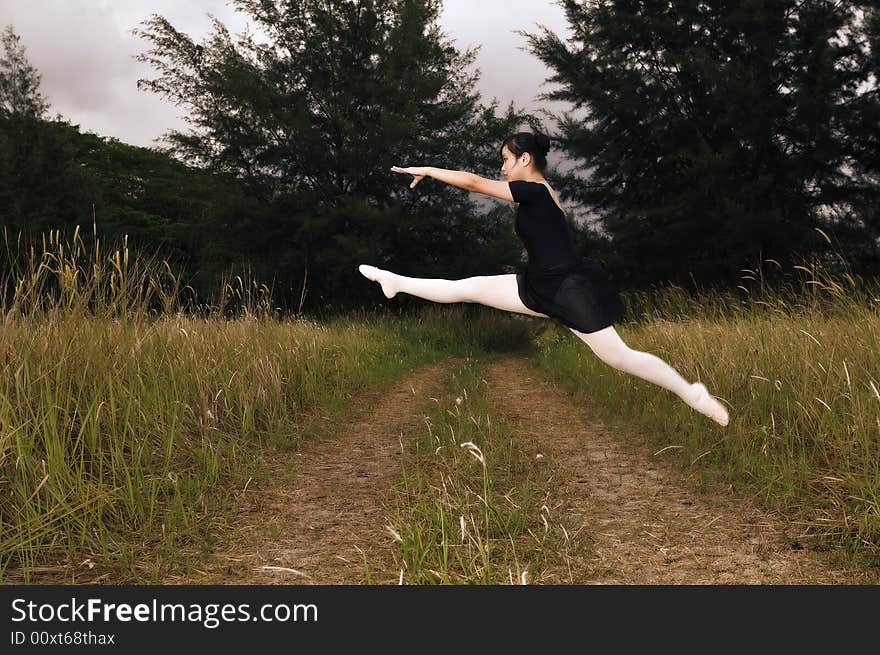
525,192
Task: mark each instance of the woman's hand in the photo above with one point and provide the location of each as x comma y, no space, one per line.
418,172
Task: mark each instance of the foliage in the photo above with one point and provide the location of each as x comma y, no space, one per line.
720,133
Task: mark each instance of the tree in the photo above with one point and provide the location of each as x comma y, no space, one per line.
313,118
717,132
53,177
19,81
863,141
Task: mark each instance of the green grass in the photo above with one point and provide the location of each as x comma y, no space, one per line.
798,367
471,505
123,431
128,414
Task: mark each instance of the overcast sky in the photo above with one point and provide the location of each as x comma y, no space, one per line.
84,50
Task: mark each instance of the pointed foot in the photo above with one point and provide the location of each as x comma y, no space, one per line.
707,404
384,278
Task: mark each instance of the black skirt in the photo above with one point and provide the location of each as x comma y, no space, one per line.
582,297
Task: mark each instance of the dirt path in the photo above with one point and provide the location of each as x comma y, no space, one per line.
631,515
321,514
642,524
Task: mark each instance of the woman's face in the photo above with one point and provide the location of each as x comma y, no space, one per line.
513,167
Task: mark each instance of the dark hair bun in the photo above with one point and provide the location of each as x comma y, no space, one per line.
542,141
535,143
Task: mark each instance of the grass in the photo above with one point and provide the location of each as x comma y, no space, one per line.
472,506
128,414
798,366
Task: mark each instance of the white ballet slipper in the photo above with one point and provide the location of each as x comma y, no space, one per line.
384,278
707,404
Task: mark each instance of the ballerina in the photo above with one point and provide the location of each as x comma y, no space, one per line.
558,283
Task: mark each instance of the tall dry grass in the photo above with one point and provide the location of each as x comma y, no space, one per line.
798,365
129,412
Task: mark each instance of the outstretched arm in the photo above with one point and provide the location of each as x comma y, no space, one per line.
461,179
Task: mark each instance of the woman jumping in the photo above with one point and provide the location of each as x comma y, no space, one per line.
558,283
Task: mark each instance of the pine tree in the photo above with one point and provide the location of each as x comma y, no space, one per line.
19,81
717,133
863,141
314,118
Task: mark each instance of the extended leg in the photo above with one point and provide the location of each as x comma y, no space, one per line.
498,291
611,349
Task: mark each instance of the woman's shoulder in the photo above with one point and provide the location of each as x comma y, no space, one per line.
552,195
523,191
537,186
527,190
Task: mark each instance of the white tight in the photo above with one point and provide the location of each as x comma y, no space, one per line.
500,292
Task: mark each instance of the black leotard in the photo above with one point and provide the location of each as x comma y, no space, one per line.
559,281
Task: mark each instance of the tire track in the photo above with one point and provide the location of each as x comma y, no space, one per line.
636,517
320,517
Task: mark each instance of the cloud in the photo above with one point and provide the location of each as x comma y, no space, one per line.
509,72
85,53
84,50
